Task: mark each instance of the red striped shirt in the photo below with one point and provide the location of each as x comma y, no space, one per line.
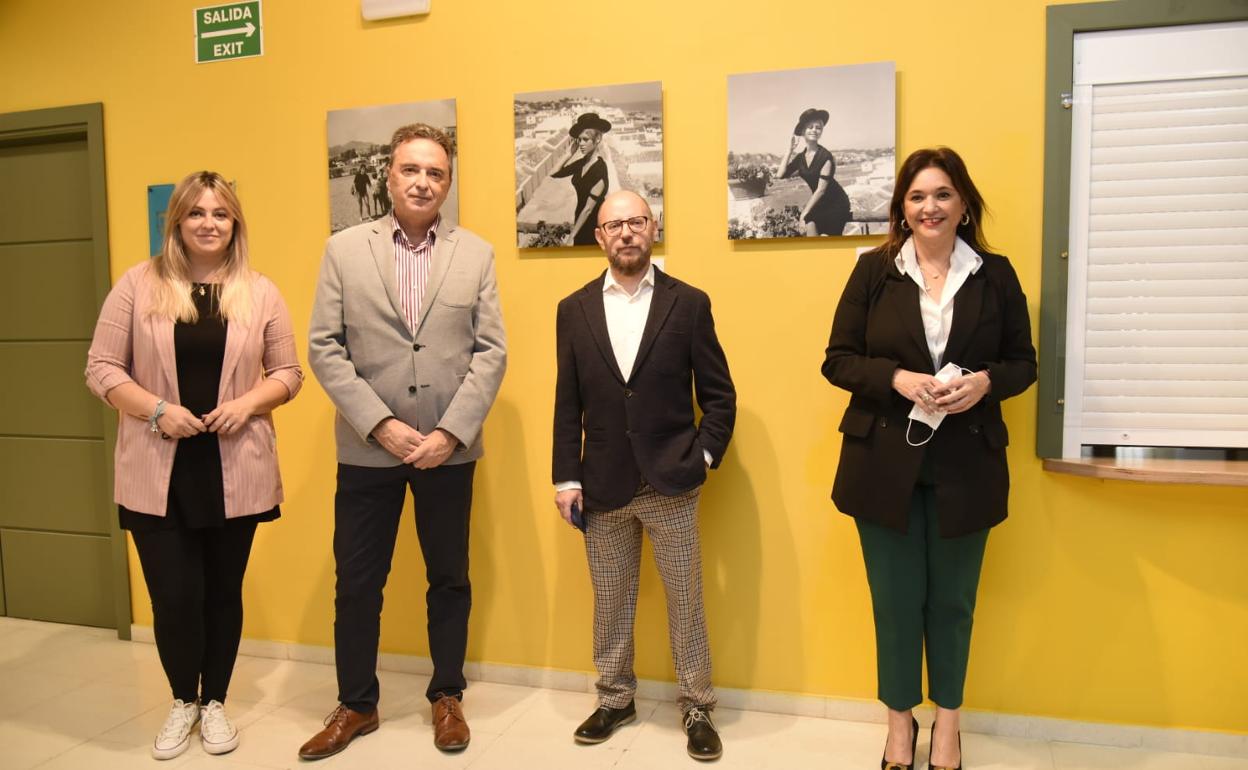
411,265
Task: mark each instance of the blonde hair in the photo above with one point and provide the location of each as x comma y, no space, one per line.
172,268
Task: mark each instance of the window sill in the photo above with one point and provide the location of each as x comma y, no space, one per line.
1229,473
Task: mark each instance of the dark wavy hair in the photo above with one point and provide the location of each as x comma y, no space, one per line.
424,131
951,163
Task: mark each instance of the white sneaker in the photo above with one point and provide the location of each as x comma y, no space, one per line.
216,731
175,736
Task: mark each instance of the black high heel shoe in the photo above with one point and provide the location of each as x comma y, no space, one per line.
930,740
914,742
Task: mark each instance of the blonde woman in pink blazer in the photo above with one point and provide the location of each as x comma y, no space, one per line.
195,350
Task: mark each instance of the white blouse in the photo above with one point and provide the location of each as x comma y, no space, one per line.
938,316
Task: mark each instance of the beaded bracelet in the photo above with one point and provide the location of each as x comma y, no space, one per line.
156,414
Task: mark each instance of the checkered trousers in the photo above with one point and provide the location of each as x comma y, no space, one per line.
613,543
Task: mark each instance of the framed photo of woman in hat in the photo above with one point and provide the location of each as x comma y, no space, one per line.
811,152
575,146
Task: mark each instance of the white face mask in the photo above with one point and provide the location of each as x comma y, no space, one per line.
932,419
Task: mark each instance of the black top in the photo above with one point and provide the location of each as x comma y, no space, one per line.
583,181
196,489
831,213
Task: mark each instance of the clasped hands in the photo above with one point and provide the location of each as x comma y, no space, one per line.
413,447
228,418
936,397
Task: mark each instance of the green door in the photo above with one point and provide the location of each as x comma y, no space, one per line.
57,532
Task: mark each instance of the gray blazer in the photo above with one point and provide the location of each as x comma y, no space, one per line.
445,376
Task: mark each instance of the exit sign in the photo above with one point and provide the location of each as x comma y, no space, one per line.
230,31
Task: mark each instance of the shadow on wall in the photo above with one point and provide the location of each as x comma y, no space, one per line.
509,591
318,483
731,517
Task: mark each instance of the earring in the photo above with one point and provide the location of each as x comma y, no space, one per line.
966,218
905,226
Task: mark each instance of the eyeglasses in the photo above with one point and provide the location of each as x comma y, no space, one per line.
615,226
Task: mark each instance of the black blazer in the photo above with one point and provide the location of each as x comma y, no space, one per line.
642,427
878,329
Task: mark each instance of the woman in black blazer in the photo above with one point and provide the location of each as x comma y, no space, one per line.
923,499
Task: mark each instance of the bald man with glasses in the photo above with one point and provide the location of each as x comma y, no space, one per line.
636,347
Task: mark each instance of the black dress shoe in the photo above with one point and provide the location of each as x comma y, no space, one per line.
914,742
603,722
931,742
704,743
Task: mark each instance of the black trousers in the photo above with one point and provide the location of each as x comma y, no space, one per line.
195,579
367,509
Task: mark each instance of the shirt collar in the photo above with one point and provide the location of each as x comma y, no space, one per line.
609,283
397,231
964,259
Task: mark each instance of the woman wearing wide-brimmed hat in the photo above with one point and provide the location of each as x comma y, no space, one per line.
588,173
827,210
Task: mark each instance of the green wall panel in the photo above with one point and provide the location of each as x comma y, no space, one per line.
49,291
58,577
56,484
47,191
44,392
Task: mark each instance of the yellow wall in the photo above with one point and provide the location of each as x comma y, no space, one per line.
1100,600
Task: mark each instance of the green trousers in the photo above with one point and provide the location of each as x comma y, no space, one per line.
922,591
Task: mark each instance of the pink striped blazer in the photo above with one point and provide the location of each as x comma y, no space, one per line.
130,345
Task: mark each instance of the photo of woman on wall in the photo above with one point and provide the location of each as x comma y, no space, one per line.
827,211
588,175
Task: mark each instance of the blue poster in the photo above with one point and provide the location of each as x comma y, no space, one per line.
158,196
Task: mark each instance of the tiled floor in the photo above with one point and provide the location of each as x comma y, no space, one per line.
74,697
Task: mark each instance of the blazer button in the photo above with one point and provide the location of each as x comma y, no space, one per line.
883,422
974,429
417,346
628,393
411,388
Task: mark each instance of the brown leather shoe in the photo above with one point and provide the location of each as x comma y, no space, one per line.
450,729
341,727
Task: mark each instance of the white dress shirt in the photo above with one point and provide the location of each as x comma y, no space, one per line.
626,320
626,317
938,316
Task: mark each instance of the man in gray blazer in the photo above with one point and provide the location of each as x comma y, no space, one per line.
407,339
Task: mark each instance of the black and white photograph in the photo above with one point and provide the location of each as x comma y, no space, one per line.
359,154
811,152
575,146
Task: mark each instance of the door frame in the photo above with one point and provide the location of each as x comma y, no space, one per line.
87,121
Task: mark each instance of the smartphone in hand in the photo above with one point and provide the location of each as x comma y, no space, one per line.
578,520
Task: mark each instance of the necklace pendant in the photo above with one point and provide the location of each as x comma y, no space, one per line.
201,290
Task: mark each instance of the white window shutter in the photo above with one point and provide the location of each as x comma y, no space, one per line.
1157,345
